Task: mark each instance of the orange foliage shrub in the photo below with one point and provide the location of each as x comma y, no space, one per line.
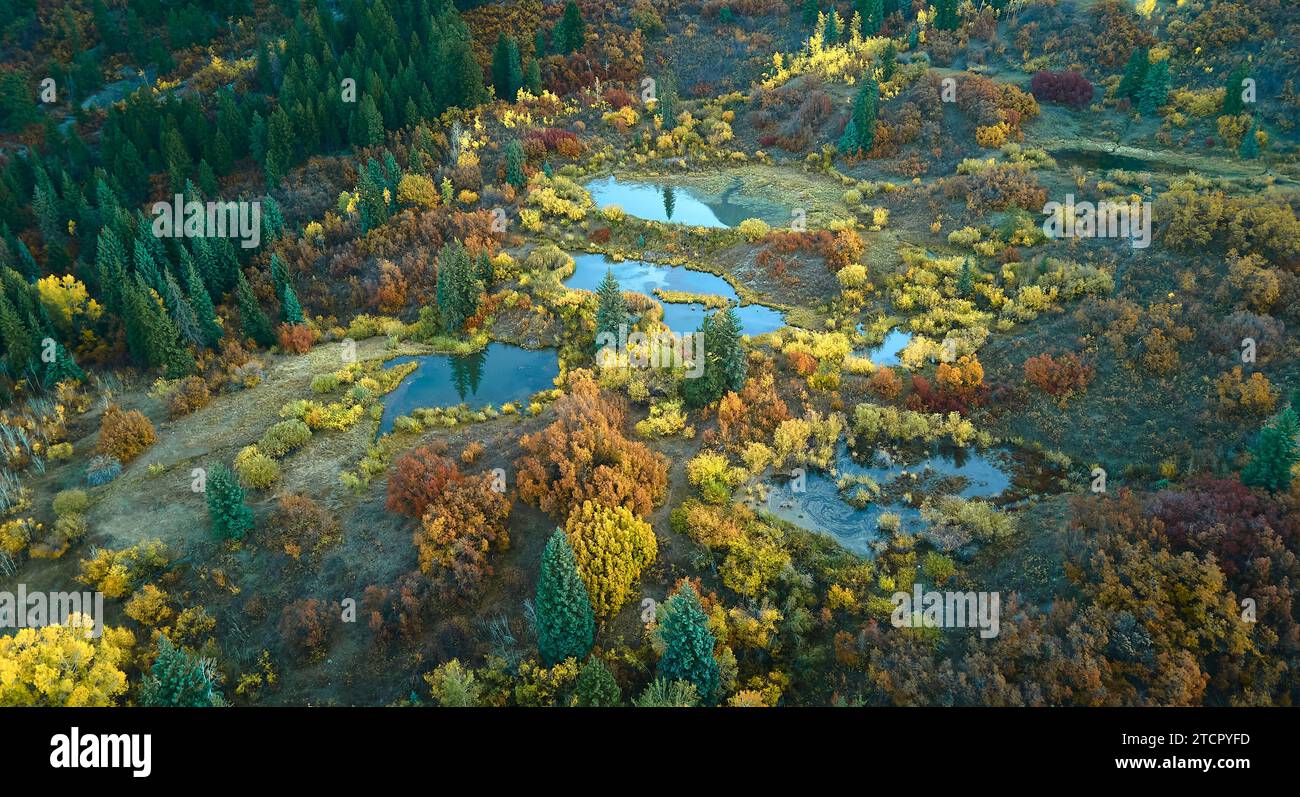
1059,377
885,383
300,525
458,532
584,456
753,414
963,378
190,395
417,478
295,338
124,435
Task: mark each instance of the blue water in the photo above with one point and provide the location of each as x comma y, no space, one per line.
633,275
661,202
820,507
887,352
498,374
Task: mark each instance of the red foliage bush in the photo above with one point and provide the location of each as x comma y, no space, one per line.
619,98
1070,89
417,478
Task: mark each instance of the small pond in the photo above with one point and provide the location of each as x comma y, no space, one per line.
447,380
681,317
821,507
662,202
887,352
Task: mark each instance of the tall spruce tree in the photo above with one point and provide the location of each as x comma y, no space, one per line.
872,14
945,15
571,31
611,310
860,133
1249,149
180,679
203,309
1274,454
254,321
1233,104
458,289
230,516
688,645
566,626
1155,88
1135,73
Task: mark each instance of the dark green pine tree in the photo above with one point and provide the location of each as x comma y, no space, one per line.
1249,149
203,309
698,388
507,72
182,313
571,31
63,368
110,264
965,280
254,321
230,516
1155,88
1274,454
290,309
180,679
1233,104
688,645
515,164
279,275
596,687
889,62
533,77
860,133
279,147
566,626
1135,73
872,13
145,267
945,16
810,10
611,310
832,32
151,336
730,364
19,346
458,290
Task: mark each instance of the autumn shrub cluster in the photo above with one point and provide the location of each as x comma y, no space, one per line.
1069,88
124,435
460,529
1059,377
191,394
417,478
584,456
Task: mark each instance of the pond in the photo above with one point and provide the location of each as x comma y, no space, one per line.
1101,160
667,203
447,380
681,317
887,352
821,508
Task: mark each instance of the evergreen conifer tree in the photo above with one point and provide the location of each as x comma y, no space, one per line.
566,626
